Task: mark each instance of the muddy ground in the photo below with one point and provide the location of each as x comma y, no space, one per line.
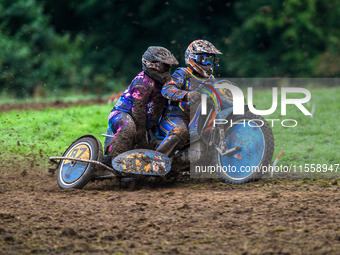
271,216
188,217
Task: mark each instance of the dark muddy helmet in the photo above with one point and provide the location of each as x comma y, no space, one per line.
201,56
157,62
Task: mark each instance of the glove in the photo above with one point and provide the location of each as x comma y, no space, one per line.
193,96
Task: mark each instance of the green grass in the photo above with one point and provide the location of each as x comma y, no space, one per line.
314,140
66,97
49,132
40,134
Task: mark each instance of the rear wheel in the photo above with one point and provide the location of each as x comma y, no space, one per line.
76,174
254,136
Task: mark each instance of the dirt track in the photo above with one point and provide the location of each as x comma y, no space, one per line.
188,217
266,217
53,104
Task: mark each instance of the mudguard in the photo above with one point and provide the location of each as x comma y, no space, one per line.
226,112
143,162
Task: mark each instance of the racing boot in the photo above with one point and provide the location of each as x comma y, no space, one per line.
122,141
169,144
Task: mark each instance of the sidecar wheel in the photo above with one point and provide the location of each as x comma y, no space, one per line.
76,174
255,138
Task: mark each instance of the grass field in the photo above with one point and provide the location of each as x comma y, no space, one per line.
40,134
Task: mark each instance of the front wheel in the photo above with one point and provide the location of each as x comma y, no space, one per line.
254,136
76,174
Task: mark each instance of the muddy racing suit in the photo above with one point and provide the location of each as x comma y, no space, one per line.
175,121
137,110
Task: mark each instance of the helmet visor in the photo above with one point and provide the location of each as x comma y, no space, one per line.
207,59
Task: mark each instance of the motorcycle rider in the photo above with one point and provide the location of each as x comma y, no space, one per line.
141,105
200,58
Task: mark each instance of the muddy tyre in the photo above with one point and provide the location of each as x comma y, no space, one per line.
255,138
76,174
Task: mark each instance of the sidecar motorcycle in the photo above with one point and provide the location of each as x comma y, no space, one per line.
240,149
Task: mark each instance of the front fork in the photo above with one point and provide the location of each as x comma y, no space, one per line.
221,147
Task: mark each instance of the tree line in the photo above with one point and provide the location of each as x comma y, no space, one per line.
96,46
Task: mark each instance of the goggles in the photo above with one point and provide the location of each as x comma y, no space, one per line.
206,59
159,66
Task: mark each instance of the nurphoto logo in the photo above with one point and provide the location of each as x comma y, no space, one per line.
239,103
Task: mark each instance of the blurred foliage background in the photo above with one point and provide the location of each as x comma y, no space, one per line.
95,46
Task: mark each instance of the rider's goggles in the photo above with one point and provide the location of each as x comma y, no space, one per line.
206,59
159,66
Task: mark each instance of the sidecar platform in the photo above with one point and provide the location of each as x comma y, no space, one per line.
142,162
83,161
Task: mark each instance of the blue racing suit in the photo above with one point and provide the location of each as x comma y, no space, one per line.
176,117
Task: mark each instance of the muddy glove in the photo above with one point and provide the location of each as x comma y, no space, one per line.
193,96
